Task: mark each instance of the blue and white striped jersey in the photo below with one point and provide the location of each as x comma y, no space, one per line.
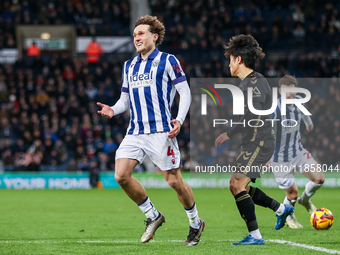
150,84
288,139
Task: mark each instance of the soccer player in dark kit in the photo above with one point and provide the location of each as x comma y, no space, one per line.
257,141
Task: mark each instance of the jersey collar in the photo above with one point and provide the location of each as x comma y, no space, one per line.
151,56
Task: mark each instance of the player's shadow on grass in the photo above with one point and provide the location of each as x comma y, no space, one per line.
338,243
41,239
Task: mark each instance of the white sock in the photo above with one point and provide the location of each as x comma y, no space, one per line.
148,209
280,210
192,214
286,201
310,189
256,234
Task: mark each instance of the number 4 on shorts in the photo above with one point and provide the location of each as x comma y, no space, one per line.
170,151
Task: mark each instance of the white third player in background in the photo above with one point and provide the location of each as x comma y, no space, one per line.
290,155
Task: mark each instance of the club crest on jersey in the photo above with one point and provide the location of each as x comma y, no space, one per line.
141,80
155,63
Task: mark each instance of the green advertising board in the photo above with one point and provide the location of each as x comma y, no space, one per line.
62,180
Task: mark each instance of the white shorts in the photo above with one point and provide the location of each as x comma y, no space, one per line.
284,171
163,151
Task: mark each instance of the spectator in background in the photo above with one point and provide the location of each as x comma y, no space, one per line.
33,50
94,174
110,146
93,51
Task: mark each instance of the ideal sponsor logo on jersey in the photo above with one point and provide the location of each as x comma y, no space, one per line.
141,80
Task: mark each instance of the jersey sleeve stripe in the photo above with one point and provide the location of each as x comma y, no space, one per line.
179,79
125,90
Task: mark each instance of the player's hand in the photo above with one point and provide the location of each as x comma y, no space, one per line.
175,131
221,139
267,165
106,110
310,128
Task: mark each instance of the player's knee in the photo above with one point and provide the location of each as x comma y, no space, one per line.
319,180
121,179
293,195
234,186
174,183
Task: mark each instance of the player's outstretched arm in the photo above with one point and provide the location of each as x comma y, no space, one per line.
121,106
106,110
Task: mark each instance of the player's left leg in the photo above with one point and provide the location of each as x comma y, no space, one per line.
316,179
186,197
164,152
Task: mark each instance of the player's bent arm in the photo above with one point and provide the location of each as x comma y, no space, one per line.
308,122
121,105
184,100
247,116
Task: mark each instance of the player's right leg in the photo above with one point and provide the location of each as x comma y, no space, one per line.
290,199
246,207
128,155
134,189
316,176
259,156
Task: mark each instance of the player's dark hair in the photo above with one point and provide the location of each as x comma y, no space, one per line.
246,47
288,80
156,27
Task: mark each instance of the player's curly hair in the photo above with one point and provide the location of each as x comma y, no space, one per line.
288,80
246,47
156,27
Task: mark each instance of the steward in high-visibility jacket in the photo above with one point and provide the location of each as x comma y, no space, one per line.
93,52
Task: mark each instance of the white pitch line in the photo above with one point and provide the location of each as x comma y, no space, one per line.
311,247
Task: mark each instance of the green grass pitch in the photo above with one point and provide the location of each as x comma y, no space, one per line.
108,222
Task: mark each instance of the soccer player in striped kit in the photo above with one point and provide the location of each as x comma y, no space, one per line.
150,81
290,155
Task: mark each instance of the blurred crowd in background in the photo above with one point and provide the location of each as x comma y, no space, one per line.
48,110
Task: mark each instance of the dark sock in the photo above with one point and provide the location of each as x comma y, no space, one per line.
246,208
262,199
